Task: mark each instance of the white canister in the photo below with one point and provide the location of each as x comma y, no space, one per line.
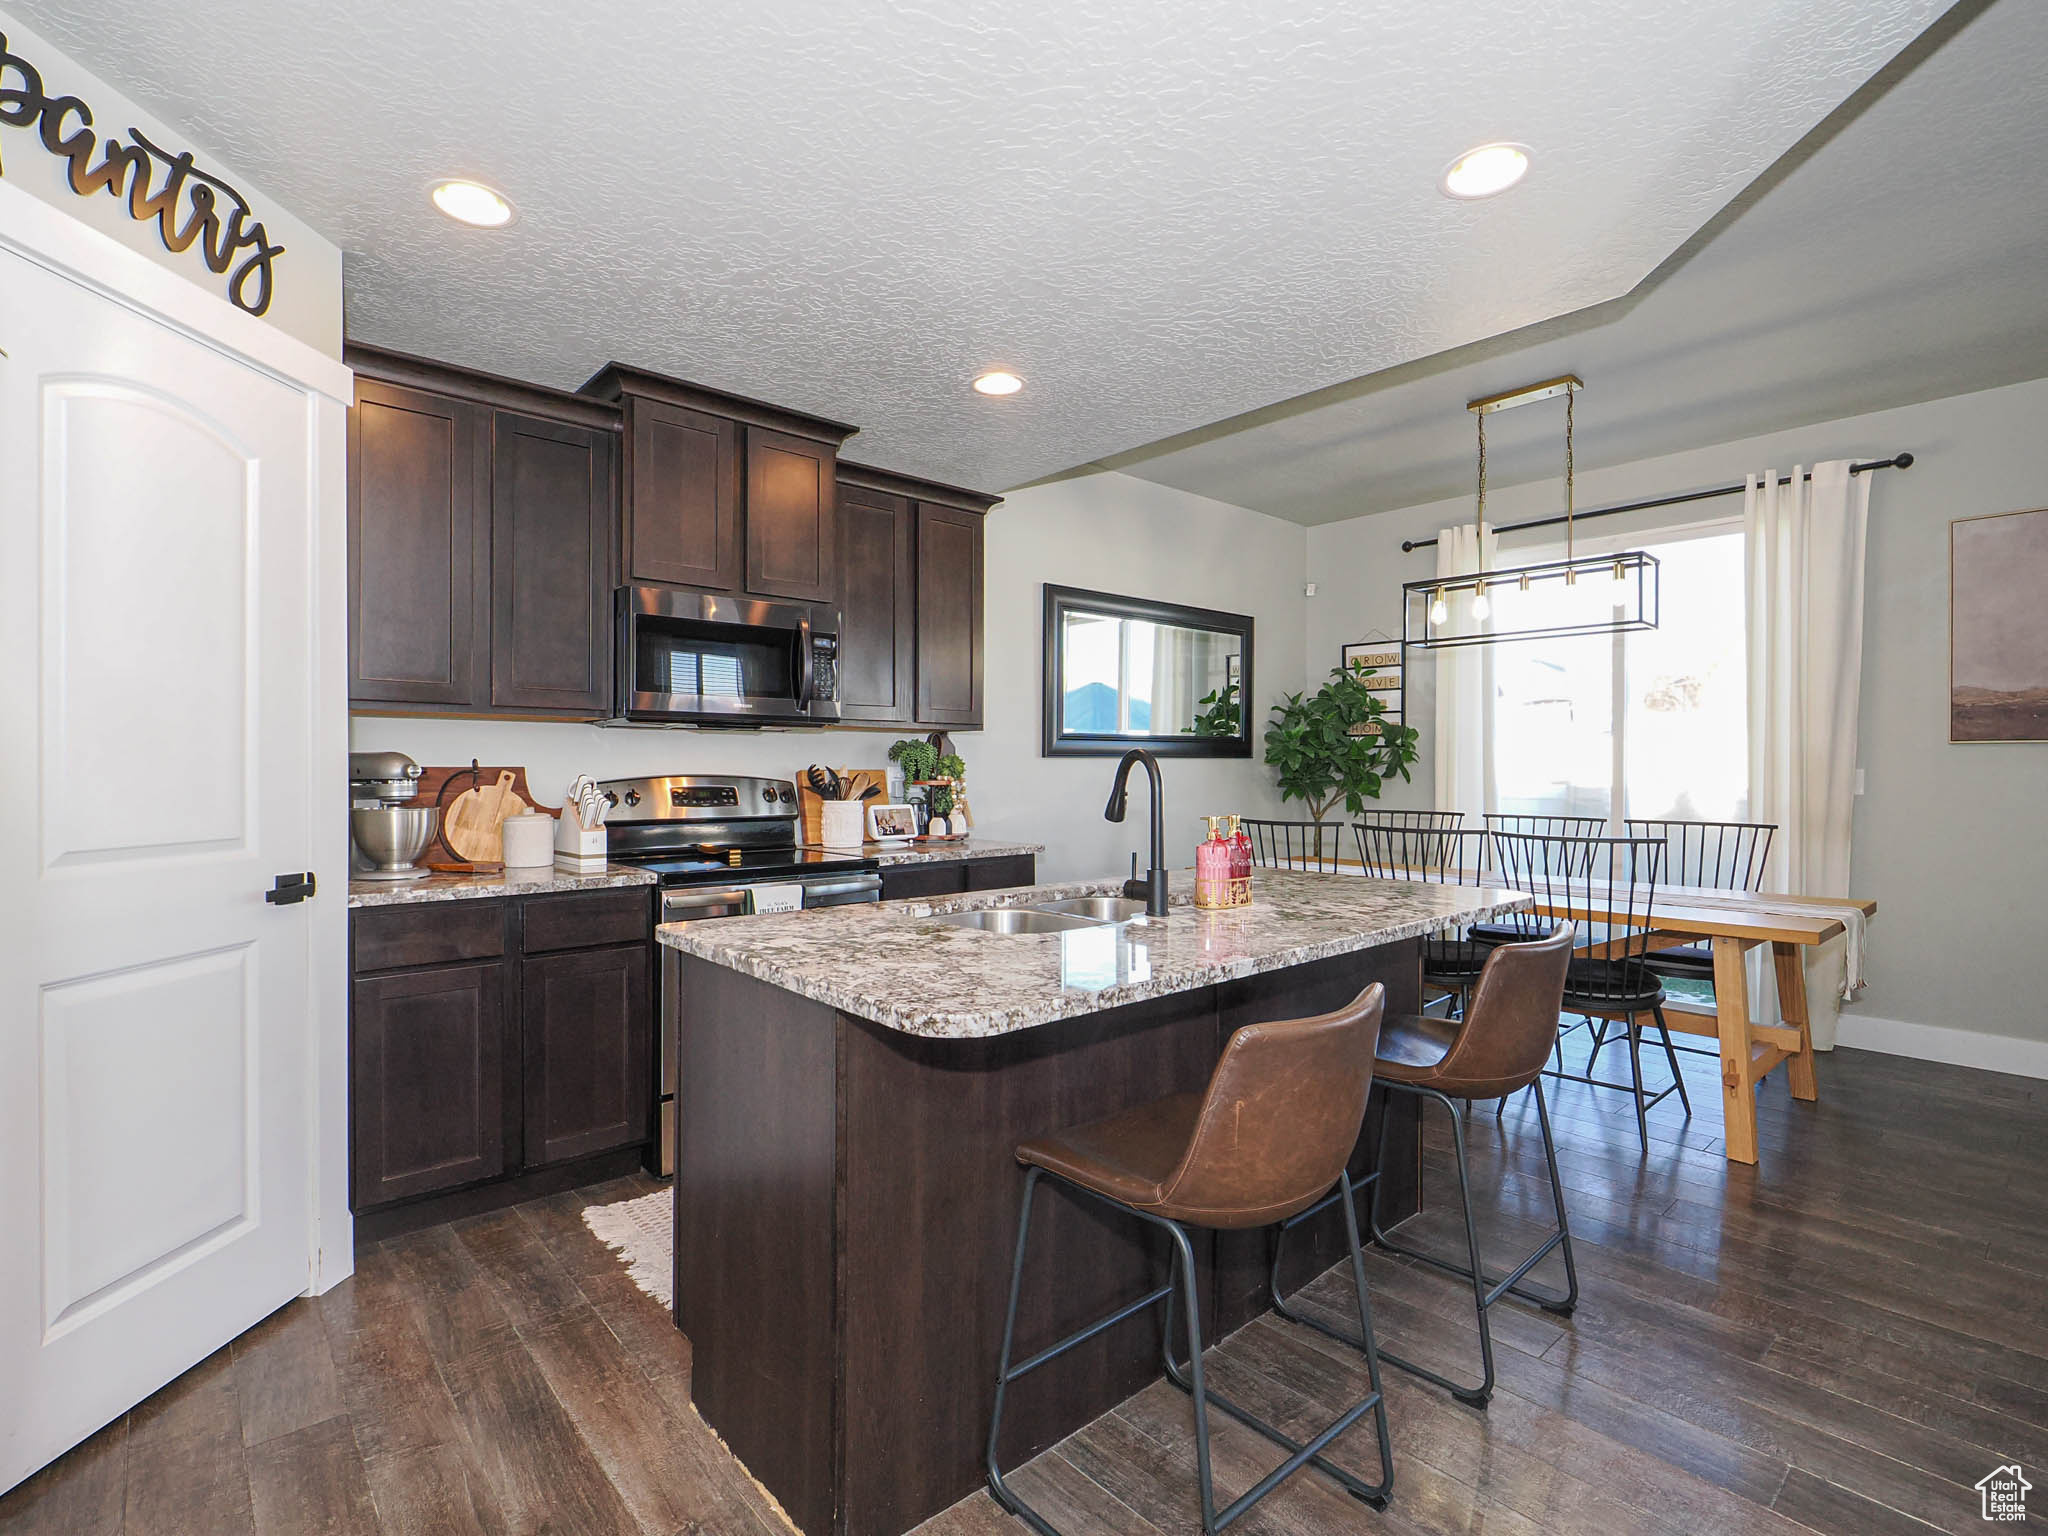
529,841
841,823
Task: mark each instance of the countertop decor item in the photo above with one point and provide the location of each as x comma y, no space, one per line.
840,823
581,843
528,840
858,784
895,824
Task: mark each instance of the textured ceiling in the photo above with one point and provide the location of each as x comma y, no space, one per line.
1159,212
1903,261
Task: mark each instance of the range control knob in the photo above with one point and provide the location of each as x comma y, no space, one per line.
632,797
788,795
768,794
611,798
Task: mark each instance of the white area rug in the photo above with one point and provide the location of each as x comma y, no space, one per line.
641,1231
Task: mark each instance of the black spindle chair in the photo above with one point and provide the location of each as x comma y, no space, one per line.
1528,824
1314,846
1431,821
1606,887
1710,855
1451,959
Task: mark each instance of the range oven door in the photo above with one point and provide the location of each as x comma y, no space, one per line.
706,659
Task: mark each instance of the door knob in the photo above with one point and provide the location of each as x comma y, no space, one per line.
287,889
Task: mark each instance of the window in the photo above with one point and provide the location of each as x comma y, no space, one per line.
1647,723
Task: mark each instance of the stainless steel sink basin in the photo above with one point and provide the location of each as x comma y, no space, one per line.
1015,920
1101,909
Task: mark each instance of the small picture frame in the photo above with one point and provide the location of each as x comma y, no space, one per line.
892,823
1389,680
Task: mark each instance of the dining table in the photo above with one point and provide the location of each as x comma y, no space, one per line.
1731,924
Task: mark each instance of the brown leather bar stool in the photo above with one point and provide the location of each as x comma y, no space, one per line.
1500,1047
1270,1136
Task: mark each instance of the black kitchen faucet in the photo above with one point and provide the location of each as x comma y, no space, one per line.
1152,889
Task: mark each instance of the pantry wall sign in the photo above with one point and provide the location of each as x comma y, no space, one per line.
189,206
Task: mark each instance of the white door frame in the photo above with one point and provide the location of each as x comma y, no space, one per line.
43,234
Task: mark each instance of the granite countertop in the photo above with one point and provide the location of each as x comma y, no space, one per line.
517,882
886,854
882,962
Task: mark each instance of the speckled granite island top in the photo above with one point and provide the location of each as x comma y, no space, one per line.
889,854
515,882
887,963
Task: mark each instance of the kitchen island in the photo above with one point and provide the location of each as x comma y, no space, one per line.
852,1084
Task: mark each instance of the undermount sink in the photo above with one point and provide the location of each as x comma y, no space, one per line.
1101,909
1015,920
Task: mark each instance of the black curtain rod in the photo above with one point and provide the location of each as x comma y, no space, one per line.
1896,461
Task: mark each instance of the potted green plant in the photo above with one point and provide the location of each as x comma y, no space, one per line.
1217,714
1335,747
937,773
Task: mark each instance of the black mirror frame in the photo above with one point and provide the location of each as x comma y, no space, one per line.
1058,743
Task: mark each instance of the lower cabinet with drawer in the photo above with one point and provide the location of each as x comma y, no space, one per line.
494,1040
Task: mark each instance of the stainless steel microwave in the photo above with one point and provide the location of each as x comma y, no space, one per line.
697,658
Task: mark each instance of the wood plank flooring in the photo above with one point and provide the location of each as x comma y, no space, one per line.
1843,1339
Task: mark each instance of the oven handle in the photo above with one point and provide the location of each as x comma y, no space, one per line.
677,906
806,676
839,893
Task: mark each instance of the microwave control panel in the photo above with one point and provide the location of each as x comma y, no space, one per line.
825,666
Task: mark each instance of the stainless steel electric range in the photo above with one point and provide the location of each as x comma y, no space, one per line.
722,847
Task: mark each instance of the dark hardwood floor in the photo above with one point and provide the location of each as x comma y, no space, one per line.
1844,1340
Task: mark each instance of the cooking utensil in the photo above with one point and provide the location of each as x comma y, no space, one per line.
391,837
475,815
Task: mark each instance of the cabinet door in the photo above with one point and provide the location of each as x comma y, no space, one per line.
877,606
427,1062
792,517
418,548
589,1042
949,616
944,877
551,519
682,498
1001,873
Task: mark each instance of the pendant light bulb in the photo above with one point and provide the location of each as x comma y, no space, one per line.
1439,610
1620,574
1482,605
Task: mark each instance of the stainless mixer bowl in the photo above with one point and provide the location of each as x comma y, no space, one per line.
392,836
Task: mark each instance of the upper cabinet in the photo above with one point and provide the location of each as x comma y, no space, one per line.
910,634
481,517
725,494
419,546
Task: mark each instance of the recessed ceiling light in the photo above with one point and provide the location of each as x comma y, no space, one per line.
471,202
998,383
1486,170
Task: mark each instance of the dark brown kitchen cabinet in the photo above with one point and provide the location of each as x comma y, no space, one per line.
682,492
589,1040
722,493
494,1044
481,516
949,616
949,877
551,525
426,1091
877,605
792,517
419,548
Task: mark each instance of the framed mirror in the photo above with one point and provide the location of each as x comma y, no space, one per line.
1121,672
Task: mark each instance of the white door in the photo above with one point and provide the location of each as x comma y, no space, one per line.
154,725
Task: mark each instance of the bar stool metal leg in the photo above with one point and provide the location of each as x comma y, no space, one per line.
1485,1289
1191,1377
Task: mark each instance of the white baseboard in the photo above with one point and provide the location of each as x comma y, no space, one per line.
1934,1042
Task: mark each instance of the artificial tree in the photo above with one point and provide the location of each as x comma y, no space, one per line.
1327,750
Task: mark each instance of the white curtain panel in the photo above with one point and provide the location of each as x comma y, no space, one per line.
1463,751
1804,596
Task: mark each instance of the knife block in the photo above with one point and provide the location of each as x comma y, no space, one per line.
583,850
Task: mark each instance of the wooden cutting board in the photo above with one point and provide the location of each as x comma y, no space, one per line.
474,819
812,806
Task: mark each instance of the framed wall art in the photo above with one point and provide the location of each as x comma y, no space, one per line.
1998,628
1388,674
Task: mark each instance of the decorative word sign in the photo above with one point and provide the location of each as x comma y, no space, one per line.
188,205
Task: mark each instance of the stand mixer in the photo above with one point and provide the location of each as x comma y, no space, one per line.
389,831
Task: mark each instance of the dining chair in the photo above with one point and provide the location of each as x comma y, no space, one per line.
1431,821
1605,887
1314,846
1451,958
1710,855
1528,824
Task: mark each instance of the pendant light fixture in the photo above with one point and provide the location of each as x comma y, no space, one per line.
1444,611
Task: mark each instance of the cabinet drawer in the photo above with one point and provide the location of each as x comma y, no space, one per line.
909,881
586,919
434,933
1001,872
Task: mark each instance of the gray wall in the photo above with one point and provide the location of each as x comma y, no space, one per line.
1948,839
1107,531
